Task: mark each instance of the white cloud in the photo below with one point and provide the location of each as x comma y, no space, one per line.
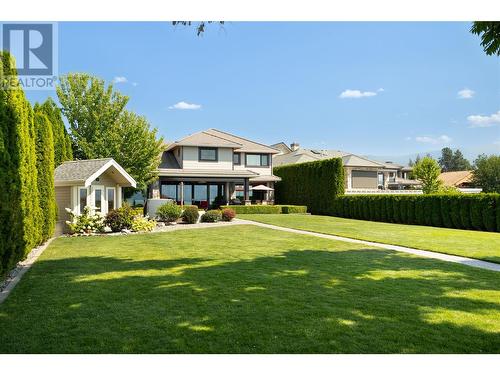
356,94
466,94
433,140
480,121
185,105
381,90
120,79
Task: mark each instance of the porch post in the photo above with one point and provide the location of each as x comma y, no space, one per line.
246,191
182,193
226,192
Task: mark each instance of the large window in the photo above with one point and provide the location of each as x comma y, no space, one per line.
207,154
236,158
257,160
169,191
82,195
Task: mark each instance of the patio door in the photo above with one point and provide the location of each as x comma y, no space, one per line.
98,199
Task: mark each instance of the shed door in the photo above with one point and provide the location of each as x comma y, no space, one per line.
364,180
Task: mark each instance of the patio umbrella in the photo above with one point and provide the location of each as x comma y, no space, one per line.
261,187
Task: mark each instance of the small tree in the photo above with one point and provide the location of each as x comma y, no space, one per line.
427,171
487,173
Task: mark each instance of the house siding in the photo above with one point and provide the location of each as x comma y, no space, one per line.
63,201
190,159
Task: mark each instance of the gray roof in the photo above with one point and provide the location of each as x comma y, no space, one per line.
78,170
304,155
84,172
218,138
168,161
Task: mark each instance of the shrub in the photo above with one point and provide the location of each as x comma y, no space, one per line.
211,216
138,211
121,218
86,223
292,209
314,184
460,211
143,224
190,214
169,212
259,209
228,214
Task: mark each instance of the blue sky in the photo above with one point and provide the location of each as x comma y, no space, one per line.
284,81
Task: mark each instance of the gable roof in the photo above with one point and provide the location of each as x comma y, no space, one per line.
456,178
204,138
84,172
246,144
281,147
304,155
218,138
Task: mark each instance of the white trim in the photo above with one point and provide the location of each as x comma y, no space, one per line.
93,188
105,167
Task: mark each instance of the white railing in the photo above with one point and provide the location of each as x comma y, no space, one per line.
407,192
379,191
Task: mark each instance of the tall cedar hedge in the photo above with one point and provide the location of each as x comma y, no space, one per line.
45,169
20,212
62,141
314,184
460,211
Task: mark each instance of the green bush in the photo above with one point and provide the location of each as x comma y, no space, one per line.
211,216
190,214
121,218
228,214
138,211
292,209
314,184
169,212
143,224
258,209
460,211
86,223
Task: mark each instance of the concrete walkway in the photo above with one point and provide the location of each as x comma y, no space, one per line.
423,253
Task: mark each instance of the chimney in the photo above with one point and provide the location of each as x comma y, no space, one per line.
294,146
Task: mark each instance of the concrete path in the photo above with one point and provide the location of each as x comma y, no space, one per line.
423,253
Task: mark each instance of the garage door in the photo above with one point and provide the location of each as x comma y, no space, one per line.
364,180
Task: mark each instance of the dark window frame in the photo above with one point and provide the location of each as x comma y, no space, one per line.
208,160
258,165
239,158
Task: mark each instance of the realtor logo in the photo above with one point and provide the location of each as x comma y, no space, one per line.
34,48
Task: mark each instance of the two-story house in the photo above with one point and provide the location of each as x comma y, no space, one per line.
213,167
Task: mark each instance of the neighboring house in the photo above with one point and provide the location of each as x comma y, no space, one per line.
458,179
360,173
96,183
212,167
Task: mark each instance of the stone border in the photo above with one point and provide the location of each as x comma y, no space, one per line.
7,285
422,253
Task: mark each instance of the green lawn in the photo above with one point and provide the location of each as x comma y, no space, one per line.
244,289
468,243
